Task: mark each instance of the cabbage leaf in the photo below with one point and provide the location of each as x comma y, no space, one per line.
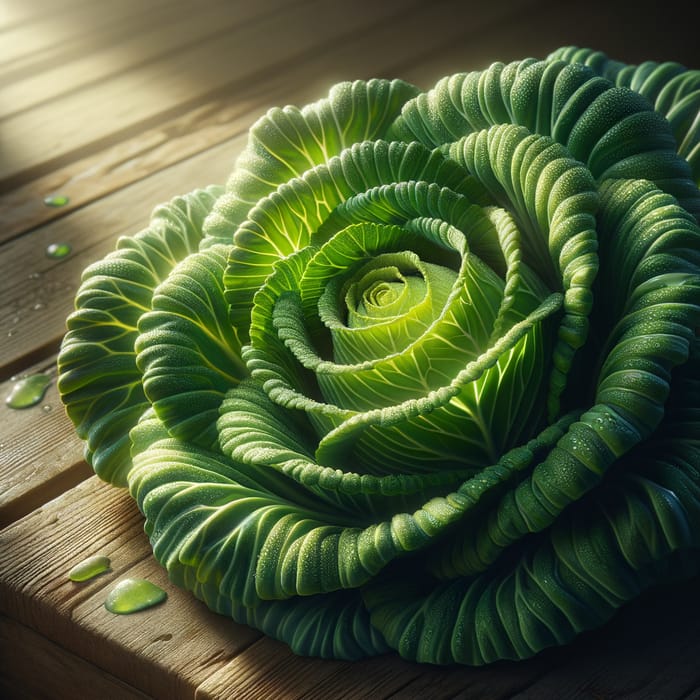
423,376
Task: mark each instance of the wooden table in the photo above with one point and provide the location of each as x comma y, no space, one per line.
125,104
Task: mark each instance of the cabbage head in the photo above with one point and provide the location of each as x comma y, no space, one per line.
423,376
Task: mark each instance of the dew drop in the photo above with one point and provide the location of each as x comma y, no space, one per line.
47,408
89,568
28,391
132,595
34,275
58,250
56,200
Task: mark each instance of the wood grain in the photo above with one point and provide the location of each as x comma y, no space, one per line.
230,111
141,96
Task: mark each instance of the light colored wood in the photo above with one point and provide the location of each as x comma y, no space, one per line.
268,669
63,30
18,13
147,34
140,97
231,114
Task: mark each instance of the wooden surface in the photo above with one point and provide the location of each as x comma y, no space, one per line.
122,105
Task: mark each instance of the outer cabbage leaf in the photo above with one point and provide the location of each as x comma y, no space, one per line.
614,130
231,516
99,382
673,89
187,352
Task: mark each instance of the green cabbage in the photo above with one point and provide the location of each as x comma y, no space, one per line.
423,376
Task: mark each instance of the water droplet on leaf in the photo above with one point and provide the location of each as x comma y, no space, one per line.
56,200
58,250
89,568
132,595
28,391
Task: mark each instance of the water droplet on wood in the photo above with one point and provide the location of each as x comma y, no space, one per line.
28,391
58,250
56,200
132,595
89,568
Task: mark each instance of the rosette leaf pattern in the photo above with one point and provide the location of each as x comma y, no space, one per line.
423,376
673,89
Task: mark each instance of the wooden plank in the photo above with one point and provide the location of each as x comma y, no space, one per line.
41,456
391,677
173,141
232,112
269,669
24,652
61,29
166,651
142,36
14,13
75,124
